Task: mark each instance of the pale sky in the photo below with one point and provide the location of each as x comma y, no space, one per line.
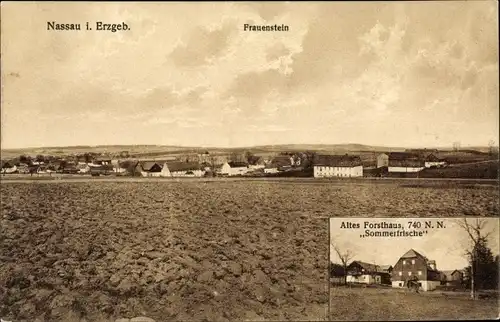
393,74
446,246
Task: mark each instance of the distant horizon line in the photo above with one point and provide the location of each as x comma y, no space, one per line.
241,147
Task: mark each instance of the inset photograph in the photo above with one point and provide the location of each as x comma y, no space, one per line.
387,269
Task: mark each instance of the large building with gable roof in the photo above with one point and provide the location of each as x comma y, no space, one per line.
412,264
328,166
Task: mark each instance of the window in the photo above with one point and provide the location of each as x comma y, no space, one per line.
409,273
400,273
404,262
400,284
413,262
419,273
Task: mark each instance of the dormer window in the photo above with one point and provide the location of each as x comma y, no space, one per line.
404,262
413,262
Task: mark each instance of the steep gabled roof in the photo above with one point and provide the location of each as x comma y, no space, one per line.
412,254
366,266
148,165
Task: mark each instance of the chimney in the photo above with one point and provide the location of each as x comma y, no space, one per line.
432,264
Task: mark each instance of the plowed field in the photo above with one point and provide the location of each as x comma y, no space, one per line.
189,250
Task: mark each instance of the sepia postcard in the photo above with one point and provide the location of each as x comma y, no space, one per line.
206,161
395,269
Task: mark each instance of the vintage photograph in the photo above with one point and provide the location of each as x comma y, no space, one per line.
394,269
180,161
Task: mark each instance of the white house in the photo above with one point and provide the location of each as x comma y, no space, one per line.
382,160
234,168
366,273
149,168
182,169
327,166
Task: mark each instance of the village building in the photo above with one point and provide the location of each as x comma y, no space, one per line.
182,169
401,162
54,166
366,273
452,278
83,158
297,159
409,161
234,168
326,166
413,264
279,163
259,163
431,160
50,169
204,157
8,167
149,168
382,160
119,168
